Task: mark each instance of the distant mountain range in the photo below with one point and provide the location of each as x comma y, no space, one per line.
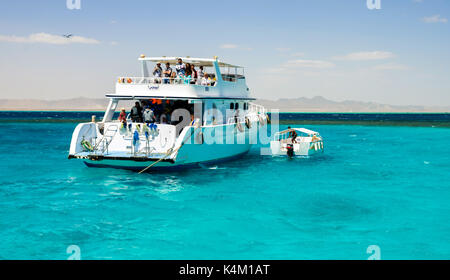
302,104
321,104
75,104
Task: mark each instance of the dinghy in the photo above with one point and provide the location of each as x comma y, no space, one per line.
296,142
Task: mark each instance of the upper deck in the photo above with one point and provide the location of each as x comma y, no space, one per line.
225,81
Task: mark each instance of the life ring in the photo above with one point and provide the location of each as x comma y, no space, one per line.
262,121
129,80
267,118
248,123
86,145
199,138
239,127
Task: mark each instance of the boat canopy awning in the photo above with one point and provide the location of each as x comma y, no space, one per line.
303,130
307,131
205,62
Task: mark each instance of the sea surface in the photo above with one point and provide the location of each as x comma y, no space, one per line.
375,185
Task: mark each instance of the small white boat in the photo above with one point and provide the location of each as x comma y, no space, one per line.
296,142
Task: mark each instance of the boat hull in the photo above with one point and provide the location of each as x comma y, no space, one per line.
193,154
300,149
160,166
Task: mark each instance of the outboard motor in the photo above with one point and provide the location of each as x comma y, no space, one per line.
290,150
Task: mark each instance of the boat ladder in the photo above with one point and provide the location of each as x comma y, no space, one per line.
108,135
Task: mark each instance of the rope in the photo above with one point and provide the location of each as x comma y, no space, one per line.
169,152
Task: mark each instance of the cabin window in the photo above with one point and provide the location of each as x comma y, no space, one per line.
229,73
231,106
236,106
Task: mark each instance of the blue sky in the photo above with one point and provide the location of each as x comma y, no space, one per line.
337,49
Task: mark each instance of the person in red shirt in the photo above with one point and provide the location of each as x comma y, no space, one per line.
123,116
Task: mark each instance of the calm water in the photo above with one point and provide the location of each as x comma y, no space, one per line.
404,118
388,186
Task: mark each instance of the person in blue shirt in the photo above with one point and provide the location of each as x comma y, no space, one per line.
180,68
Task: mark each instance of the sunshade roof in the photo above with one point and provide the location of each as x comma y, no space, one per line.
304,130
206,62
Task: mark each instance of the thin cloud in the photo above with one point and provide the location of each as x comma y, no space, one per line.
283,49
303,63
298,54
297,64
358,56
229,46
391,66
435,19
233,46
46,38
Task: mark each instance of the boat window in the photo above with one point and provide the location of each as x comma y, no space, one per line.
231,106
240,73
229,74
236,106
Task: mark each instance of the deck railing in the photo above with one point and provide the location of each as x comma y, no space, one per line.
180,80
255,108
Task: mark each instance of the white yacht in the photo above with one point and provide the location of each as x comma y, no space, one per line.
197,120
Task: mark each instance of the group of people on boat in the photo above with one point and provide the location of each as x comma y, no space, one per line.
153,111
183,74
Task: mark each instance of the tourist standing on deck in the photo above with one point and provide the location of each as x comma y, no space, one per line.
200,72
200,75
167,73
292,134
194,74
149,115
136,113
123,116
157,73
180,68
188,74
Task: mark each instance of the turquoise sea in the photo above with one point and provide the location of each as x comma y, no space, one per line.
375,185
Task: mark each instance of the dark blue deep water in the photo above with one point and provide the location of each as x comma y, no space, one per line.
375,185
402,118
